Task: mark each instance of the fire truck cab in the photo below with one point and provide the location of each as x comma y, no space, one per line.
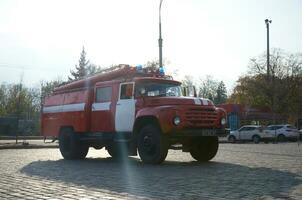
128,111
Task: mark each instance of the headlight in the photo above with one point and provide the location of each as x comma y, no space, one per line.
223,121
176,120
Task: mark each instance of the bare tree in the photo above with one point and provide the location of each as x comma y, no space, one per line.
281,91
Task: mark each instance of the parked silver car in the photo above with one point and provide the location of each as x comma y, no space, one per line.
283,132
249,133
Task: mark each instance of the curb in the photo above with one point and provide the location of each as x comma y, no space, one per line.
28,146
21,137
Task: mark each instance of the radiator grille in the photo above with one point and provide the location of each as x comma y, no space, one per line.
201,117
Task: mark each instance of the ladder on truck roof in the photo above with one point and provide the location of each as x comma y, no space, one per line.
121,71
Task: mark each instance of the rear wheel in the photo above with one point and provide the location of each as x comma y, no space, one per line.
152,145
117,150
204,149
70,146
281,138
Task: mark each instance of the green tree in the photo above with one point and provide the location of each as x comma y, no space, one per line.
153,65
22,102
19,100
281,91
208,88
81,69
48,86
221,93
84,68
3,99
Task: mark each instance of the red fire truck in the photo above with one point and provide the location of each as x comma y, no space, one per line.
129,110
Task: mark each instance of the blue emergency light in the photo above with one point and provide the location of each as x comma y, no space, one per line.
161,71
139,68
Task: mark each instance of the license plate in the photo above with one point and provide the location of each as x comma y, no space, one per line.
208,132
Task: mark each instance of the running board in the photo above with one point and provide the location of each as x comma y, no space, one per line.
53,139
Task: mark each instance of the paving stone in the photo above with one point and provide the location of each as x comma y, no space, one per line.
239,171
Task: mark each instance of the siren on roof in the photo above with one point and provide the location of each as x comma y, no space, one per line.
139,68
161,70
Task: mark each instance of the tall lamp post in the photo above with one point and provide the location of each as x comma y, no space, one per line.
267,22
270,80
160,40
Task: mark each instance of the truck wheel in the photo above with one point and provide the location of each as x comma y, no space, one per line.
152,145
117,150
70,146
256,139
204,149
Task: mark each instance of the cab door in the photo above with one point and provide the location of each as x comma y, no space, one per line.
125,108
102,109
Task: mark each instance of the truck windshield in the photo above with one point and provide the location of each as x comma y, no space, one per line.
152,89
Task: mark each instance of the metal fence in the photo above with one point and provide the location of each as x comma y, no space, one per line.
12,126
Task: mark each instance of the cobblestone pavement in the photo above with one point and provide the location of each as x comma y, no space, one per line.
239,171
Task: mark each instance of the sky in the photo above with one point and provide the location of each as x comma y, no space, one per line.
42,40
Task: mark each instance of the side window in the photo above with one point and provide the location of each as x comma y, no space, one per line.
126,91
243,129
103,94
278,127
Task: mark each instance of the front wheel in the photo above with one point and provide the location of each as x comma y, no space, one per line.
232,139
204,149
70,146
256,139
152,145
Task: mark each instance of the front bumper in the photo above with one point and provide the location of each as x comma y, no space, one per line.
199,132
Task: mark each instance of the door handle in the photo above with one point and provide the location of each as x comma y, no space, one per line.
118,104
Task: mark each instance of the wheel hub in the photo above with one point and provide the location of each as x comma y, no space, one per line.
148,143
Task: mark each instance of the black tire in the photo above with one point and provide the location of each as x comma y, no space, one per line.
293,139
256,139
117,150
152,145
70,146
232,139
281,138
204,149
111,151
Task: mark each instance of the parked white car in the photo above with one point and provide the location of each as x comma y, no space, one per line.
249,133
283,132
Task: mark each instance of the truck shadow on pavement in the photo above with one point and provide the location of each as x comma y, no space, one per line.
171,180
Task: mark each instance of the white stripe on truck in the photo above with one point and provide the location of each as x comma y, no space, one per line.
101,106
64,108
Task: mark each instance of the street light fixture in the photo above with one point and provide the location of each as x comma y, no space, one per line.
267,22
160,40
